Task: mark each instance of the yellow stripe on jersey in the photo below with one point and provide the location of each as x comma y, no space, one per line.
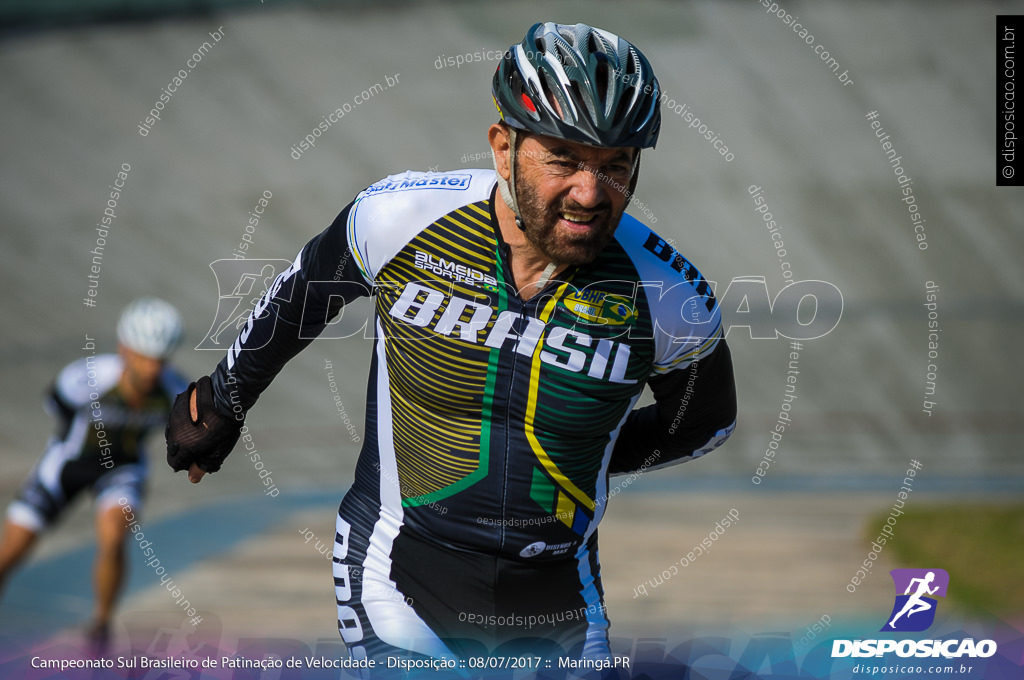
531,410
566,509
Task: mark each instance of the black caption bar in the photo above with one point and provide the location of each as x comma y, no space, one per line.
1008,153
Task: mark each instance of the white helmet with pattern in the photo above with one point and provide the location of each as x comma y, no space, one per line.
151,326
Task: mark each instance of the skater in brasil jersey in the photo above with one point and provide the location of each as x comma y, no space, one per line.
519,314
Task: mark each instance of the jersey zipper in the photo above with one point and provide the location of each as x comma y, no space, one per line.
502,260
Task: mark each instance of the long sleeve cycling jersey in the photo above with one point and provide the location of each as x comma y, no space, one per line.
507,408
493,422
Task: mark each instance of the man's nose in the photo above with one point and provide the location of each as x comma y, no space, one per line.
587,190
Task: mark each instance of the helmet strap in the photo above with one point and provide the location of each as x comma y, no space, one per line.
546,274
634,178
508,188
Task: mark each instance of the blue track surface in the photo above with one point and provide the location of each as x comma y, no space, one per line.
56,593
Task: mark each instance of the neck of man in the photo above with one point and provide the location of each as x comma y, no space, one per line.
529,266
132,395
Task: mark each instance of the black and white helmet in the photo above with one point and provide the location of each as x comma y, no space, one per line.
579,83
151,326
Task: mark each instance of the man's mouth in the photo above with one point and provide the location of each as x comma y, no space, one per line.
579,220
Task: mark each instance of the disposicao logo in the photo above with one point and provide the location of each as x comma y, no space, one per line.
912,612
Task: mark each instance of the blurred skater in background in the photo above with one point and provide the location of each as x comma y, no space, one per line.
104,404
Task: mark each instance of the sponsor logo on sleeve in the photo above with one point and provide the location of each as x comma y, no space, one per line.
450,181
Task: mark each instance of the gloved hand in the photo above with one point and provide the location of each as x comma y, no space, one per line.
197,434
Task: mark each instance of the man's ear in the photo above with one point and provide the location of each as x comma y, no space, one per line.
497,136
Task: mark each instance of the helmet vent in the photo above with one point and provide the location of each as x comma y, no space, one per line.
567,35
565,57
548,92
601,76
631,62
577,94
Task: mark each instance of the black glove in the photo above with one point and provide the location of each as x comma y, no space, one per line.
206,441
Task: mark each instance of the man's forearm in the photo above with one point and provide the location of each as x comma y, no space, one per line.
237,388
695,411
